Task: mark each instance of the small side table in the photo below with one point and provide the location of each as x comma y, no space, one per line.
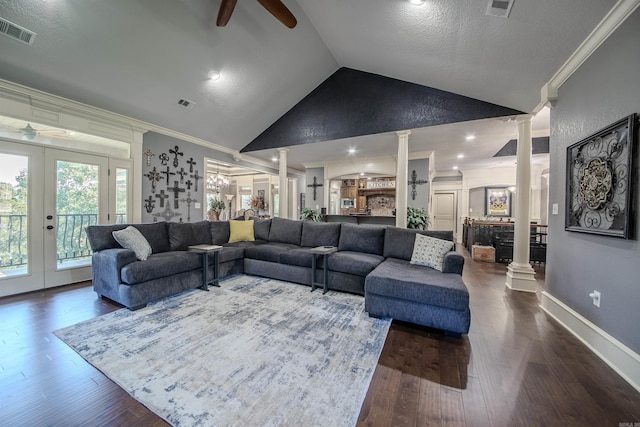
205,250
321,250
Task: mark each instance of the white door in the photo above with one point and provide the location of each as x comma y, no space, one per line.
50,197
444,215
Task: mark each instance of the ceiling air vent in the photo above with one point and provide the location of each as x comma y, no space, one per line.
186,104
16,32
500,8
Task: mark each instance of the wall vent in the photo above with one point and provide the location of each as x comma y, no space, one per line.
186,104
500,8
16,32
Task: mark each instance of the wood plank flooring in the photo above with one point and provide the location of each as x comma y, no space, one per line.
517,367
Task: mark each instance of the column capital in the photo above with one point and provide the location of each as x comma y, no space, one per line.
283,150
523,118
403,133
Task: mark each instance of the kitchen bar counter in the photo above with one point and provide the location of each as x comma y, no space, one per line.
361,219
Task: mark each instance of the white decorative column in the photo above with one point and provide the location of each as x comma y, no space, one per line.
402,178
520,274
136,177
283,190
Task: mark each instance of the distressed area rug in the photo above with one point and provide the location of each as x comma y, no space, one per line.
255,352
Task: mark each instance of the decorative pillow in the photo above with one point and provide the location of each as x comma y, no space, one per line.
429,251
241,231
131,238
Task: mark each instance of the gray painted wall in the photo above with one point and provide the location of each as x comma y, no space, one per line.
309,202
603,90
421,166
158,144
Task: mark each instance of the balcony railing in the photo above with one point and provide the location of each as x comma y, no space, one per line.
72,240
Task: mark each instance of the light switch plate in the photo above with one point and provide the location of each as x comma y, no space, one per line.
197,205
554,209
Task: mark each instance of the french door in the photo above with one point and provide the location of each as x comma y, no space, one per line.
50,196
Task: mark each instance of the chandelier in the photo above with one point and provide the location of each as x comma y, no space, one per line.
217,183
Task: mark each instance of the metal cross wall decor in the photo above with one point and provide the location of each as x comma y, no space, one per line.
315,186
176,153
162,196
164,158
191,163
154,177
150,204
182,173
149,155
167,173
196,177
176,191
189,200
414,182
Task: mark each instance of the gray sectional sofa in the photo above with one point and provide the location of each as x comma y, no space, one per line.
372,261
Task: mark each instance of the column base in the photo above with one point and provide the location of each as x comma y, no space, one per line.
521,278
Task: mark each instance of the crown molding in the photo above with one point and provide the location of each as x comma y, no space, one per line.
616,16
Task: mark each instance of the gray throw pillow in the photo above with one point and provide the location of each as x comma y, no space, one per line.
131,238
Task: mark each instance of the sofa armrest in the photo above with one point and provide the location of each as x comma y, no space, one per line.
453,263
105,268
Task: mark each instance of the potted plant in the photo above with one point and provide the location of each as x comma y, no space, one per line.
215,207
418,218
310,214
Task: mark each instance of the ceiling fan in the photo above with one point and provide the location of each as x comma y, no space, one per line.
275,7
30,133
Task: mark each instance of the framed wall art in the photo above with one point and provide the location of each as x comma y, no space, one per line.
600,171
497,201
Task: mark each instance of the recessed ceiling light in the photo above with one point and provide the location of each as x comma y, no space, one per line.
470,137
214,75
460,156
416,2
274,159
455,168
352,150
361,173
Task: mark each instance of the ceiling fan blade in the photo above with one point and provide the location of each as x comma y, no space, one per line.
224,14
280,11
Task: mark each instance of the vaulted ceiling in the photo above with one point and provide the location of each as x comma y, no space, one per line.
138,58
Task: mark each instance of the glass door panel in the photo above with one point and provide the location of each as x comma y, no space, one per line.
122,205
74,199
20,222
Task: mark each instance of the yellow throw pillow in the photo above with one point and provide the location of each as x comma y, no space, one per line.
241,231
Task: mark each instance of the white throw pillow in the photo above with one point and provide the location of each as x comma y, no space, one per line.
131,238
429,251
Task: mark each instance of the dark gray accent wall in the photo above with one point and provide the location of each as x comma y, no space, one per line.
158,144
318,173
352,103
604,90
539,145
421,166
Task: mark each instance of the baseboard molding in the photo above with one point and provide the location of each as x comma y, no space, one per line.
618,356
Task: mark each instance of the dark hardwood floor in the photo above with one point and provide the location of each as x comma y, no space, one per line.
517,367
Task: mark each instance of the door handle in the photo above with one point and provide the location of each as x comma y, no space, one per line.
49,217
49,227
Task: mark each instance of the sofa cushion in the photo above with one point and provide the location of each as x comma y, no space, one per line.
399,242
183,235
156,233
301,257
228,253
357,263
361,238
160,265
241,231
429,251
320,233
261,228
219,232
399,279
285,231
131,238
269,251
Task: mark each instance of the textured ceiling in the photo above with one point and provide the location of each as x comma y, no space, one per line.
137,58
